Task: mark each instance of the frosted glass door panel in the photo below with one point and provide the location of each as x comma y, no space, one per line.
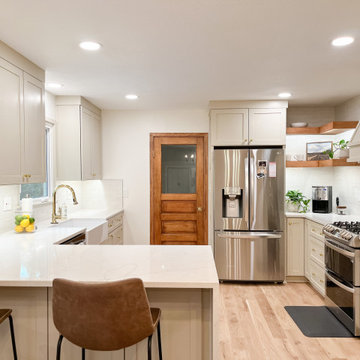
178,169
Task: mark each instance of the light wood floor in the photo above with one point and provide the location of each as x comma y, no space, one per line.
255,325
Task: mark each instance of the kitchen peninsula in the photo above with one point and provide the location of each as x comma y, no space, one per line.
181,280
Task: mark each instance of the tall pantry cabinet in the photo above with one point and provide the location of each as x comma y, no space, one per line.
78,139
22,119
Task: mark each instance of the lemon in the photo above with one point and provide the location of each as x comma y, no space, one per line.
19,229
24,223
18,218
30,228
26,216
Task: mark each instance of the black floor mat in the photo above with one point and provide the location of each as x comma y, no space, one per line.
317,321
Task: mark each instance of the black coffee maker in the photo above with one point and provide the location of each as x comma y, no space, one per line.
322,199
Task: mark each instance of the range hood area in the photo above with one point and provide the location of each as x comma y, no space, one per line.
354,145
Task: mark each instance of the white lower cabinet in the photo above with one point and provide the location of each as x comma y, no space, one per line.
115,231
30,313
315,256
295,246
306,252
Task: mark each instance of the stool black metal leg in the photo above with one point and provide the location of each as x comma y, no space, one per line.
12,336
58,349
149,347
159,340
83,354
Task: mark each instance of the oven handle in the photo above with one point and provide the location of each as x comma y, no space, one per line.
338,283
339,250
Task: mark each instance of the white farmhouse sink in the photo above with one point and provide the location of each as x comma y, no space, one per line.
96,229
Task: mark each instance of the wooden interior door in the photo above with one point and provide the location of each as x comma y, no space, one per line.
178,201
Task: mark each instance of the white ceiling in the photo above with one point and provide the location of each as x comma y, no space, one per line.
183,53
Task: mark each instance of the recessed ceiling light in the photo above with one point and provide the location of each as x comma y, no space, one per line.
90,45
131,97
342,41
284,95
52,85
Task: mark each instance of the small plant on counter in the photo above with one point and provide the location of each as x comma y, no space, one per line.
296,198
341,145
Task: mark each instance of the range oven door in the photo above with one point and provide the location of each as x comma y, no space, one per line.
343,261
250,256
343,300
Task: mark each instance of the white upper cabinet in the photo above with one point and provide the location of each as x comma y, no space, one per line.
229,127
34,162
267,126
22,119
91,145
78,139
246,123
11,93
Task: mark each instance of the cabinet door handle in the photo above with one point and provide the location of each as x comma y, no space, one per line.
321,281
199,209
321,254
313,274
290,223
251,140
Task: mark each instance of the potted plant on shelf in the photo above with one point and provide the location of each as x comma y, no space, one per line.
296,201
341,149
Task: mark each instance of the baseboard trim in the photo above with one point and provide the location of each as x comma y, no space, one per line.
295,279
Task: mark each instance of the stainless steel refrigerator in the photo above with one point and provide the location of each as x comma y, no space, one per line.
249,241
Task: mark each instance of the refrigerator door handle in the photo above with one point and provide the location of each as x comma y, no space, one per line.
249,235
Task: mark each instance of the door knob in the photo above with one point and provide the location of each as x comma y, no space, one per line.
199,209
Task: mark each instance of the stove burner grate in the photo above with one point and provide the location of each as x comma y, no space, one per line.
352,226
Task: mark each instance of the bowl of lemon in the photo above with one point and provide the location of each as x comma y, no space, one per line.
24,223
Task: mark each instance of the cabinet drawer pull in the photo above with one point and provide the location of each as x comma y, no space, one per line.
313,274
321,254
321,281
313,249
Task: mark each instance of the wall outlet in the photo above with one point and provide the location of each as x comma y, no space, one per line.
7,203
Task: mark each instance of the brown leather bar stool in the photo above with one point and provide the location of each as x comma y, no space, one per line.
4,314
104,317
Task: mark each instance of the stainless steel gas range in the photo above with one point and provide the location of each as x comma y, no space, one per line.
342,263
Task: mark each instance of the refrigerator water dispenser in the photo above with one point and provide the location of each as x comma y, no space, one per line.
232,203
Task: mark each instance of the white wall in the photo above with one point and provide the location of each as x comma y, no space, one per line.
313,115
348,111
126,156
344,180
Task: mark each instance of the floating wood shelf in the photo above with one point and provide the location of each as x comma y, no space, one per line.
320,163
331,128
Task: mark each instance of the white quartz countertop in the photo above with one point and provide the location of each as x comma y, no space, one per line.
324,219
33,260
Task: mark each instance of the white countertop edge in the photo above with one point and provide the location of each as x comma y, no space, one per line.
148,285
116,212
323,219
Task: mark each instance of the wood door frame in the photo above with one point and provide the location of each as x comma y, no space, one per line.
206,190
